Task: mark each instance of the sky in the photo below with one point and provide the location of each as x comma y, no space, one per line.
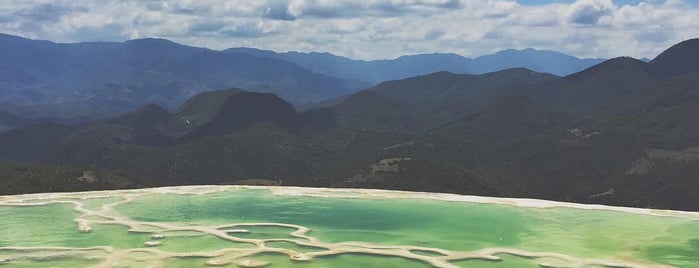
368,29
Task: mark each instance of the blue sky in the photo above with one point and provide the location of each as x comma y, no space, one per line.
368,29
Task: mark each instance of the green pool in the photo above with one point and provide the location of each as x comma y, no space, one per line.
236,226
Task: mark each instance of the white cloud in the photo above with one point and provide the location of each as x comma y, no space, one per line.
589,11
367,29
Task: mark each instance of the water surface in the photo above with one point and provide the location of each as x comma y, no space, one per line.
248,227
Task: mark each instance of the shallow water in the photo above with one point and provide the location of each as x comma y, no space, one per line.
190,227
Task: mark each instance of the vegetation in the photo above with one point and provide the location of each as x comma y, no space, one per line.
31,178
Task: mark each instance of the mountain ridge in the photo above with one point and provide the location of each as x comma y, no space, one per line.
679,59
376,71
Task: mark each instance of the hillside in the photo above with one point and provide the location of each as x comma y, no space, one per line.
425,102
9,121
680,59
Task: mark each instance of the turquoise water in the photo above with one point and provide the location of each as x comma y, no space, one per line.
190,230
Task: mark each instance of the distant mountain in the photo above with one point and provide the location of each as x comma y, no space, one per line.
122,76
543,61
377,71
43,78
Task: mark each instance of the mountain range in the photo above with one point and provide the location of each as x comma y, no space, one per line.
73,80
622,132
102,79
376,71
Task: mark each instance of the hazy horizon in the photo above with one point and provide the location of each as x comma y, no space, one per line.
376,29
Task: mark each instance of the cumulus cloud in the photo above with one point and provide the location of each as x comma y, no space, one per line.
368,29
343,26
589,11
330,9
500,9
247,29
